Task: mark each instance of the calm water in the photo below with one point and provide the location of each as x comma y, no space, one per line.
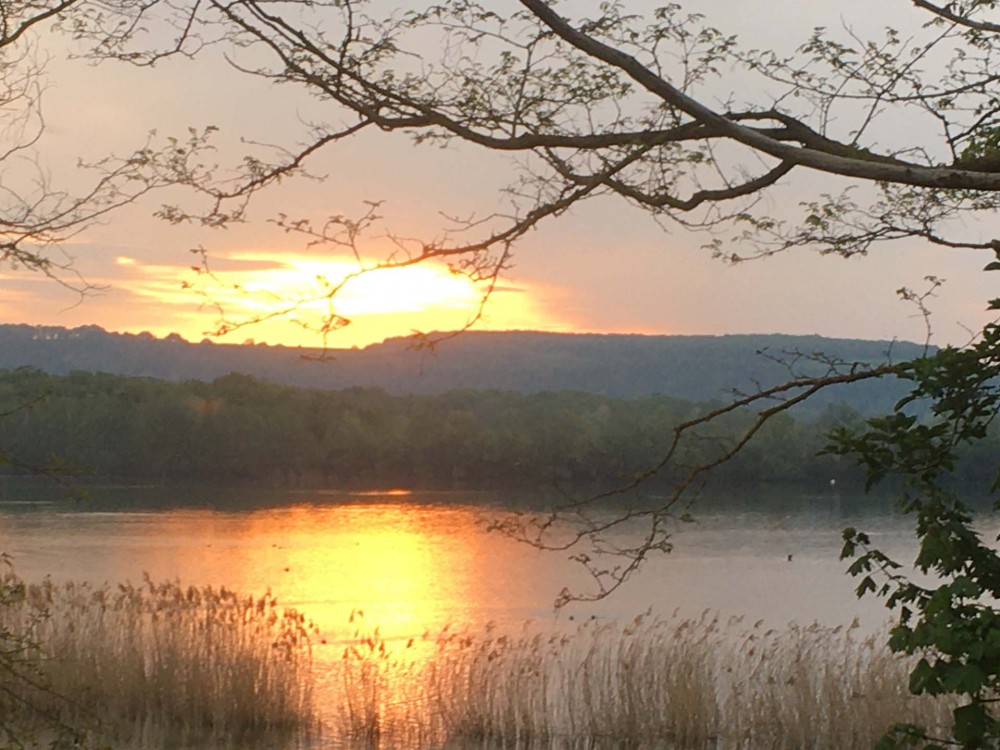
419,562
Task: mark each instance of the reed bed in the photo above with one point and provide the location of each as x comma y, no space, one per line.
164,666
161,665
653,683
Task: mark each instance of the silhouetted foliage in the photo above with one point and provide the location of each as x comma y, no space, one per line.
949,616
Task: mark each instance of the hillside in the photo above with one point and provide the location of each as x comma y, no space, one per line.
698,368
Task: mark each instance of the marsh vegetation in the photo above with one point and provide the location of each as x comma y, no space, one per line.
654,682
163,665
156,665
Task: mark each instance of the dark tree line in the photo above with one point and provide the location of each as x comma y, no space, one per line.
240,428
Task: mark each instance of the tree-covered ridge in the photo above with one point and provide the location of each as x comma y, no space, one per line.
698,368
240,428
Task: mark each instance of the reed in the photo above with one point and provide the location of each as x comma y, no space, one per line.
162,665
664,683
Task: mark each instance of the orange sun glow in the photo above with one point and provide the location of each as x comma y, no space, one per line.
288,298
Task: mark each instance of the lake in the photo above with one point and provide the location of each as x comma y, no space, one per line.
419,561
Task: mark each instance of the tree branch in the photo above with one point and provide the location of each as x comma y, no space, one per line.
868,169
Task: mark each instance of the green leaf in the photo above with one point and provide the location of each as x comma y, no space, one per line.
971,679
866,586
970,724
923,679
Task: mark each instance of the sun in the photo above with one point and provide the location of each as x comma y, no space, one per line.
385,291
286,298
320,293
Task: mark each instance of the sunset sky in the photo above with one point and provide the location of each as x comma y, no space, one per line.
603,267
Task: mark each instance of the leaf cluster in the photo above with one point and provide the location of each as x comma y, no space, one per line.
947,611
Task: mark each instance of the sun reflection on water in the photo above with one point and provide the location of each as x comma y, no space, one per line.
382,583
406,571
416,564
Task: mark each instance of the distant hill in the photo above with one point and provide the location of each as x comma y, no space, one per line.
700,368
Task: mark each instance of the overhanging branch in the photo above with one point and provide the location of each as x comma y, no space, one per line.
874,170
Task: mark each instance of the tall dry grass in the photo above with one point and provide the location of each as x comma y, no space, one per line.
162,665
665,683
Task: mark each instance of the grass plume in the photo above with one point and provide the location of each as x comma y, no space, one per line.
668,683
163,665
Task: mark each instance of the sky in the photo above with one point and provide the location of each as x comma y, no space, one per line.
603,267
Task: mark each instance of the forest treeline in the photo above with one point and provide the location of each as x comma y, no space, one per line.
239,428
694,368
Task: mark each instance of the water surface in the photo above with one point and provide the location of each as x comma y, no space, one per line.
417,562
